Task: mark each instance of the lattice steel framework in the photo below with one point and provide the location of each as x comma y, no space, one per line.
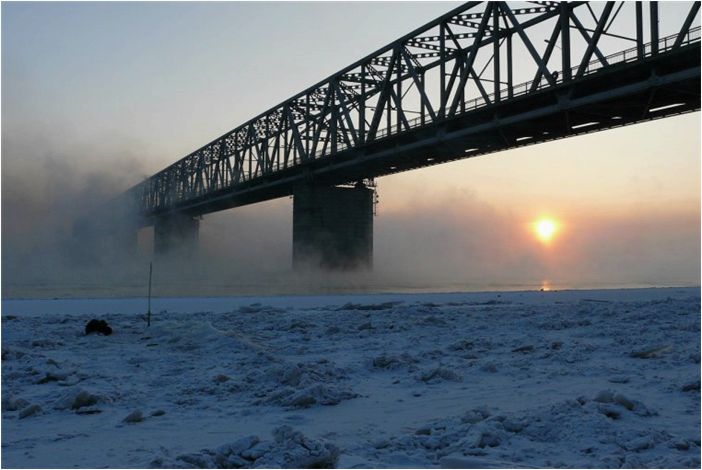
478,55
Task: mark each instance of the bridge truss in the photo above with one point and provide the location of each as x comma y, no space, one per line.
448,90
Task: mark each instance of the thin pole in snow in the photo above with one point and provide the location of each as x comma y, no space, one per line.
148,313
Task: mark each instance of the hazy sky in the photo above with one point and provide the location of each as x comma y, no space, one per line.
96,96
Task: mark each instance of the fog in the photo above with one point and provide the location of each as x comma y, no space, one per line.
482,246
89,111
47,184
441,240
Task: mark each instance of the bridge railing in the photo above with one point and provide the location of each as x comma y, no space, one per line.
632,54
628,55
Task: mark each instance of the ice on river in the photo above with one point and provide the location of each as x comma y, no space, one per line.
474,380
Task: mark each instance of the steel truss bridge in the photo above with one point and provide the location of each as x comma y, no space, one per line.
484,77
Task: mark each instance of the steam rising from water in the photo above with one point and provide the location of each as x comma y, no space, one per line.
451,241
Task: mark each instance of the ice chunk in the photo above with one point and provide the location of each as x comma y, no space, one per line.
220,378
291,376
513,425
624,401
390,361
52,377
610,397
135,416
475,415
605,396
650,353
462,345
293,450
198,460
13,404
691,387
482,435
239,446
439,374
31,410
75,399
321,393
609,410
234,461
256,451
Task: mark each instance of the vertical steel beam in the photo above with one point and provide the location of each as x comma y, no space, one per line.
639,31
265,157
423,108
565,41
496,50
388,100
442,70
308,119
333,127
399,90
654,27
250,138
510,91
362,108
287,144
462,91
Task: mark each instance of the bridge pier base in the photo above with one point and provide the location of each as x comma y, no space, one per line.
333,227
176,234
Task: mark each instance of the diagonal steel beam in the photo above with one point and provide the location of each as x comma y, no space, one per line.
345,110
480,87
382,100
423,96
592,45
547,54
583,31
468,65
686,25
527,42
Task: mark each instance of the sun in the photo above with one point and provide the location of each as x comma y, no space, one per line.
545,229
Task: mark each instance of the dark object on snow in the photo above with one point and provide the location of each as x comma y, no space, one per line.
98,326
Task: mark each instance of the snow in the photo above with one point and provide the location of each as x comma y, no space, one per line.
465,380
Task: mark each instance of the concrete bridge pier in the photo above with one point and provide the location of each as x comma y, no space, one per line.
176,234
333,227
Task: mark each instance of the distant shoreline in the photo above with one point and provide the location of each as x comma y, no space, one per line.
227,304
188,290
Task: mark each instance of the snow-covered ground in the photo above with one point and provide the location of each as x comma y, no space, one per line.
519,379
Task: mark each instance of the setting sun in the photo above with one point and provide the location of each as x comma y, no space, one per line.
545,229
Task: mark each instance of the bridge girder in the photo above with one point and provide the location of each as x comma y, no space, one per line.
470,72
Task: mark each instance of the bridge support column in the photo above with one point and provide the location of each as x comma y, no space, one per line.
333,227
176,234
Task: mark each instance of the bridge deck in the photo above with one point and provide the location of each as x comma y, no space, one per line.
333,132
